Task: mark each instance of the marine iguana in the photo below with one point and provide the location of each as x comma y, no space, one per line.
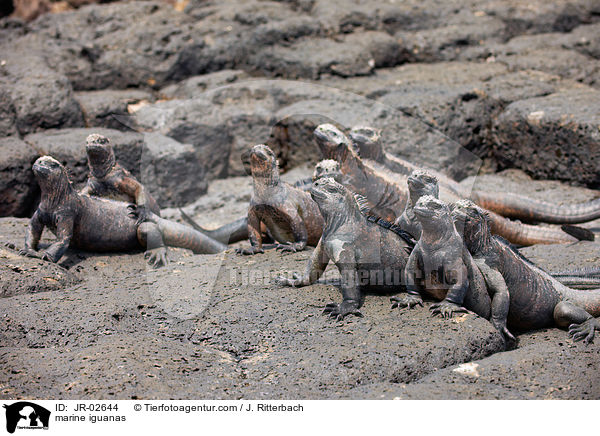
290,215
98,224
420,183
367,141
108,179
525,297
387,191
238,230
367,251
441,267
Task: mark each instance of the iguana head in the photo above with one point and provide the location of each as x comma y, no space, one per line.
433,214
263,163
473,222
52,178
333,199
421,183
328,168
367,140
101,157
334,144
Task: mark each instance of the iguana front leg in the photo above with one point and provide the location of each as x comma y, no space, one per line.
64,233
352,297
151,238
254,235
581,324
314,269
413,271
500,298
33,236
456,294
299,233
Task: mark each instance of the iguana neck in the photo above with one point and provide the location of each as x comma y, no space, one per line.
101,169
348,212
436,231
55,194
262,181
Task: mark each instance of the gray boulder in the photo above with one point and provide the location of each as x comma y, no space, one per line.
552,137
18,189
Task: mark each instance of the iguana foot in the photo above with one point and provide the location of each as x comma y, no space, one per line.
44,255
340,311
138,211
446,309
406,300
285,281
501,327
157,257
286,248
249,251
585,330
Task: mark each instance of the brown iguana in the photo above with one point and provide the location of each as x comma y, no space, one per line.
367,141
525,297
369,253
387,191
98,224
238,230
291,217
108,179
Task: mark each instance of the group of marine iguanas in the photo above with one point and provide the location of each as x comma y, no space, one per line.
384,222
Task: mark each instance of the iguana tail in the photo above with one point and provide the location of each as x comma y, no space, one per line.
578,282
227,234
180,235
523,234
525,208
588,299
589,271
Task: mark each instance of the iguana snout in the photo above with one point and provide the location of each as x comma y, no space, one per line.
473,221
327,168
262,160
331,140
429,208
46,168
367,142
101,157
326,190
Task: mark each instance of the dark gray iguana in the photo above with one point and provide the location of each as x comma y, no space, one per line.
290,215
386,191
97,224
421,183
367,141
441,267
524,296
367,251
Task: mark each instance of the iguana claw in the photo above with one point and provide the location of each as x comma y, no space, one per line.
157,257
289,248
406,300
446,309
340,311
249,251
585,330
285,281
44,255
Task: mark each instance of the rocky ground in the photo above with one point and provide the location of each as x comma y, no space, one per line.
506,90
